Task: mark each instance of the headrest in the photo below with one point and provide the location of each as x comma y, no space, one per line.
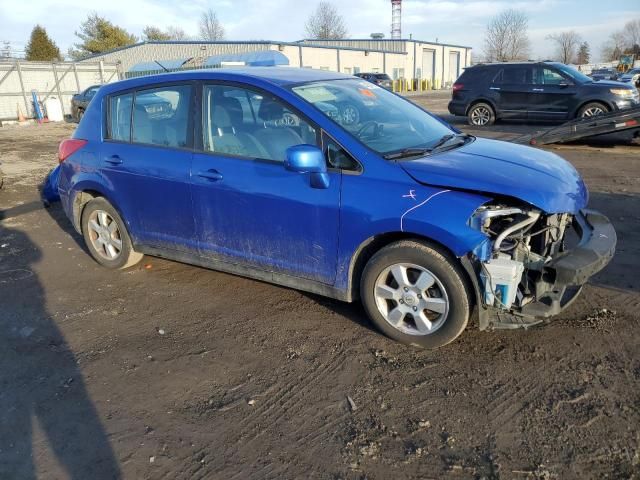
270,110
220,117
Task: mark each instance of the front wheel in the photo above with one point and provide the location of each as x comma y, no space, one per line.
592,109
416,294
106,236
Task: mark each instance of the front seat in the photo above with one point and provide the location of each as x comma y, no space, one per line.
223,137
275,139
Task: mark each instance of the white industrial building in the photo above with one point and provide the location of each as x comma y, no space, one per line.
438,63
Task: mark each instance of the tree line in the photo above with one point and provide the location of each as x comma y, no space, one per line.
507,39
98,34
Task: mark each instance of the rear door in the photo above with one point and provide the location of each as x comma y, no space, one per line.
512,89
552,94
146,160
249,209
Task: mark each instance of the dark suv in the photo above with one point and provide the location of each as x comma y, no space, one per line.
534,91
381,79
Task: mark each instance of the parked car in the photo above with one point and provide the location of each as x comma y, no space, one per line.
632,77
153,104
598,74
80,101
381,79
425,225
547,91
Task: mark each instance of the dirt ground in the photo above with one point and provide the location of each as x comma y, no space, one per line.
169,371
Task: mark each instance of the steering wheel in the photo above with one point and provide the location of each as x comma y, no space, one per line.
366,126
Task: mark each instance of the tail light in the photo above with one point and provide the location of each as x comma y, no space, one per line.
457,87
68,147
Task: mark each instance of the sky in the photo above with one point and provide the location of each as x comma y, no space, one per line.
459,22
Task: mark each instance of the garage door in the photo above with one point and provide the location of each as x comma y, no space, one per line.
454,66
428,64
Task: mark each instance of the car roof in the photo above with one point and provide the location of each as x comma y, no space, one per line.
280,76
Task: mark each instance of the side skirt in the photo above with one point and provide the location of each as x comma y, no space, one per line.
297,283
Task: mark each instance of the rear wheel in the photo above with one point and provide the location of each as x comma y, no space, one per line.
106,236
592,109
481,115
416,294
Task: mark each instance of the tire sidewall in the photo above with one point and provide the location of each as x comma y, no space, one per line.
492,116
441,265
127,248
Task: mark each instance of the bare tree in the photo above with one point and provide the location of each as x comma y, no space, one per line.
506,37
567,44
176,33
613,48
210,26
631,32
326,23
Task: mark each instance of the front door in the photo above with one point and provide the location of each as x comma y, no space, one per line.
146,160
552,95
249,210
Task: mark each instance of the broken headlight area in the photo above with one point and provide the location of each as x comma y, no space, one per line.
522,242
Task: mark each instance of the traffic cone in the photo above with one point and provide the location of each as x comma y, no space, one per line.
20,115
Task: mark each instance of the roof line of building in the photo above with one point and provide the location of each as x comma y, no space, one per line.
273,42
384,40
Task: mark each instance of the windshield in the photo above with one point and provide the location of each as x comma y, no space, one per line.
573,73
381,120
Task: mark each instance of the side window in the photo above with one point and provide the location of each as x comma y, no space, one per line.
546,76
91,92
243,122
516,75
161,116
120,117
338,157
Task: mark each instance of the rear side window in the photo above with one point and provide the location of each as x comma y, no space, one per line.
161,116
515,75
120,117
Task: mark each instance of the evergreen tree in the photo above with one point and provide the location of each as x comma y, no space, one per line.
584,53
97,35
41,47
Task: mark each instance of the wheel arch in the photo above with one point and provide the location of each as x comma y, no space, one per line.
83,195
607,104
482,100
373,244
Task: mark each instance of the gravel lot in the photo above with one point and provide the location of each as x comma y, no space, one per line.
168,371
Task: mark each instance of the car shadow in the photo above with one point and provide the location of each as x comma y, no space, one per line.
40,381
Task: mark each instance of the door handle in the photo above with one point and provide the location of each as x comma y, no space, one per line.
538,89
212,175
114,160
494,88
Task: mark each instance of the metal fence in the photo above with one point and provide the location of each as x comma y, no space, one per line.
49,80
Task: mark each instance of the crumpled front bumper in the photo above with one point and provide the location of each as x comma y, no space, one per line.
570,270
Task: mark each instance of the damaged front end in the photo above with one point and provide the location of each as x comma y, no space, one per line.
534,264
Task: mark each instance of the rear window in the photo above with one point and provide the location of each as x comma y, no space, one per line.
120,117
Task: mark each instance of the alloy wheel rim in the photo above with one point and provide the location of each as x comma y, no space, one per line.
350,116
480,116
411,299
104,234
592,112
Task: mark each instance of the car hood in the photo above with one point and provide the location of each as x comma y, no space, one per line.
535,176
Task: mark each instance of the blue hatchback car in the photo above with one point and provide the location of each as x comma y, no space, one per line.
261,173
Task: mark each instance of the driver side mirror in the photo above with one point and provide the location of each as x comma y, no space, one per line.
308,159
565,84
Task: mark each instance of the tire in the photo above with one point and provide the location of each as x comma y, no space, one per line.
592,109
481,115
112,247
448,287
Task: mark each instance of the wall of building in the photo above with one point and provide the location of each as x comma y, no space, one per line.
398,58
